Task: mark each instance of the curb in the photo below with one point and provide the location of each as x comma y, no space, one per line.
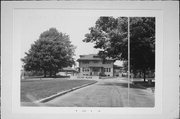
62,93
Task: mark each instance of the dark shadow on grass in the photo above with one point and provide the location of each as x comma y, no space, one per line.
125,85
34,77
145,84
37,80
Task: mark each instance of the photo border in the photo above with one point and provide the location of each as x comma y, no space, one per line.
14,56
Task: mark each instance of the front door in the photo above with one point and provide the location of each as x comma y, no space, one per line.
95,71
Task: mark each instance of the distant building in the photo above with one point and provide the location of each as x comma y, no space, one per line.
118,70
93,65
67,71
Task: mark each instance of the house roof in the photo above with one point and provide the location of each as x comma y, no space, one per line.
91,57
117,67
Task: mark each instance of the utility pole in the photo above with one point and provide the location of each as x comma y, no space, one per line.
128,58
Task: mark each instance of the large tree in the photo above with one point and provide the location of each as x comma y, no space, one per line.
142,44
51,52
110,35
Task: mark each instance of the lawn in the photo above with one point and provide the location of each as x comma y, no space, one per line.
145,85
32,90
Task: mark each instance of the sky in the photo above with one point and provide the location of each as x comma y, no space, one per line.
30,23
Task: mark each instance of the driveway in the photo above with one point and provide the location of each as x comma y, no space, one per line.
105,93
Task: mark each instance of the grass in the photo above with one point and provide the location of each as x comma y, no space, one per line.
145,84
36,77
32,90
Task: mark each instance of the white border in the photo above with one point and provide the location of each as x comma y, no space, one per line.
158,8
121,110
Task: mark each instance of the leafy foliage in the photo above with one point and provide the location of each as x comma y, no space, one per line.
110,35
142,43
51,52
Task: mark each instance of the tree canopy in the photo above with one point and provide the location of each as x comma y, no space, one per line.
111,36
142,43
51,52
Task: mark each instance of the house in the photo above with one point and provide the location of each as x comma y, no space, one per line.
93,65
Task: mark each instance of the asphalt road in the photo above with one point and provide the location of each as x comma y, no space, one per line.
105,93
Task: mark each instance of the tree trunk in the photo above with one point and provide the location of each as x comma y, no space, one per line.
50,73
45,73
54,73
144,72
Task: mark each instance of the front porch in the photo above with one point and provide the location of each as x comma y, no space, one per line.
96,71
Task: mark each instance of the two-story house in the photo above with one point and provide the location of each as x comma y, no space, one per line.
93,65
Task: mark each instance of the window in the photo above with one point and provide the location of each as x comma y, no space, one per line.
85,62
95,61
107,62
85,69
107,69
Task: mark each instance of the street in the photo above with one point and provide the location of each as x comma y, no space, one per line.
105,93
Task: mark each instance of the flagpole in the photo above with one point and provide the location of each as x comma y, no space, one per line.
128,58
